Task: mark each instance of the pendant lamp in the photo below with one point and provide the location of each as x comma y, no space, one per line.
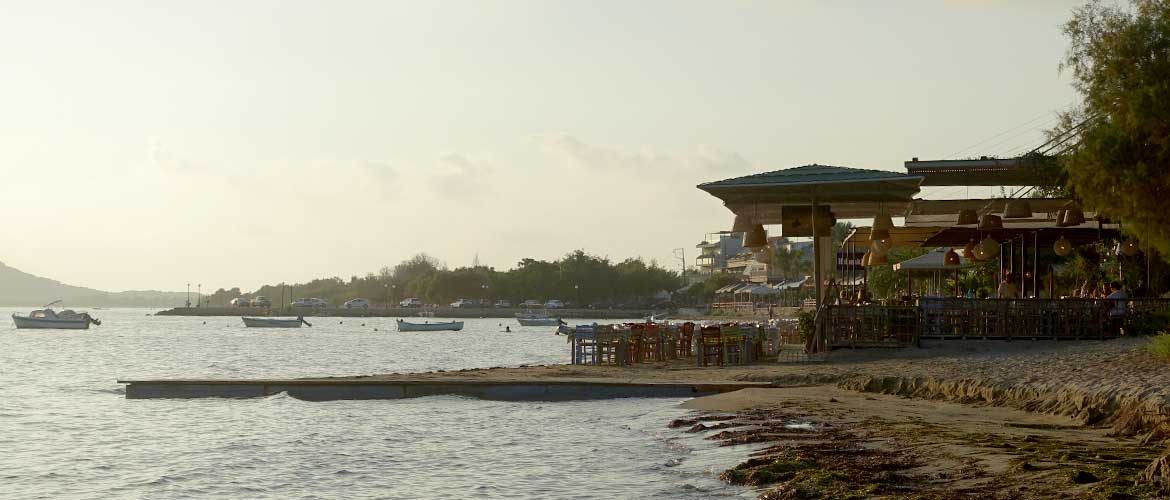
763,256
755,237
969,250
1073,217
1062,247
1017,209
1060,217
967,217
989,221
1129,248
741,224
879,259
987,249
879,247
951,258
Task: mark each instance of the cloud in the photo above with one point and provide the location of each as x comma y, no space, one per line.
580,154
459,176
382,176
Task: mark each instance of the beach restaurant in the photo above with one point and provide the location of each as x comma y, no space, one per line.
1018,235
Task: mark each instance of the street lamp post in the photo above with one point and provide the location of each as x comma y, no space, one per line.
577,292
188,295
387,287
199,295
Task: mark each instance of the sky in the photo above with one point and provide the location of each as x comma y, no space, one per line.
151,144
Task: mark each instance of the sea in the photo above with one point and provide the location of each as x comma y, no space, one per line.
67,431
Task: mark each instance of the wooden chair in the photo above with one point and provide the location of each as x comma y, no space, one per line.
733,345
710,346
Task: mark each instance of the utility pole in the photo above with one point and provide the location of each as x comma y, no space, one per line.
681,255
188,295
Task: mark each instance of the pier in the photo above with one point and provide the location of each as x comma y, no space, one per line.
332,389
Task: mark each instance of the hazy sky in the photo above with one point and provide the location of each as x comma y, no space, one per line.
151,144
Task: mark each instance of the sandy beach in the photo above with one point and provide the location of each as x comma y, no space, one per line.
952,418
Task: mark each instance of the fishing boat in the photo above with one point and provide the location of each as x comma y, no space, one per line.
47,318
274,322
537,319
406,326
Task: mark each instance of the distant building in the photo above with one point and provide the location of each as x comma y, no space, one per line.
715,250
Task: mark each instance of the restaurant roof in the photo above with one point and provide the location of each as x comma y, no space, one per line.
823,183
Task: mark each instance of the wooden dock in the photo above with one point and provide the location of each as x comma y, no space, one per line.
331,389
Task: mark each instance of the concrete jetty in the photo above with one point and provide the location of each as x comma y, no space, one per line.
331,389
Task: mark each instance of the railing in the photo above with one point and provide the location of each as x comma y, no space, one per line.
870,326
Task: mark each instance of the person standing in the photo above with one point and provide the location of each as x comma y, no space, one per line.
1007,288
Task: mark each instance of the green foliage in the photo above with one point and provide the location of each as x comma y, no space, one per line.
883,282
806,322
1120,62
577,277
1160,346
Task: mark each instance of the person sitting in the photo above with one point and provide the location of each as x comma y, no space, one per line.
1007,289
1117,308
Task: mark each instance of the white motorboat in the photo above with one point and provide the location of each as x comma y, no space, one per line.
537,319
47,318
274,322
406,326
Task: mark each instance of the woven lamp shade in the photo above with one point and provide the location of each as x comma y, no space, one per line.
989,221
1017,209
741,224
969,251
879,234
1060,217
951,258
755,237
1062,247
1129,248
1073,217
967,216
987,249
879,247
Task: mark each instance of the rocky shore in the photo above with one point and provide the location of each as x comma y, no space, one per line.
1111,399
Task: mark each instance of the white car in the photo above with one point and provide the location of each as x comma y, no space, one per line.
312,302
410,302
240,302
554,304
464,304
531,303
356,304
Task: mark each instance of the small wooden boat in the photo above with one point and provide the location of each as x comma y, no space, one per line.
537,319
46,318
274,322
406,326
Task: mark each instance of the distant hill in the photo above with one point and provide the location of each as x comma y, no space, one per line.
18,288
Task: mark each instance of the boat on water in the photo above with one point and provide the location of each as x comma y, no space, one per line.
47,318
252,322
406,326
537,319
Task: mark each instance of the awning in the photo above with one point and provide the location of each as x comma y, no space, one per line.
935,260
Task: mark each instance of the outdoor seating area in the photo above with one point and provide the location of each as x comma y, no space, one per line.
624,344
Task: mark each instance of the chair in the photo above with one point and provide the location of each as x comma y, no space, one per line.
733,345
710,346
686,338
584,345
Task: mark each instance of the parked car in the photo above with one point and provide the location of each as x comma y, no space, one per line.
411,302
503,304
531,304
311,302
261,301
464,304
239,302
356,304
485,303
554,304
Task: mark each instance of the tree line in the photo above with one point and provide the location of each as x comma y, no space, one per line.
577,278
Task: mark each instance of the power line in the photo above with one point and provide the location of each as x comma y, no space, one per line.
1008,131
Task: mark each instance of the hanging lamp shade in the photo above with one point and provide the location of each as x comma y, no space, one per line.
763,256
1073,217
741,224
1060,217
879,259
1129,248
951,258
879,247
882,223
967,216
876,234
990,221
1062,247
969,251
1017,209
755,237
987,249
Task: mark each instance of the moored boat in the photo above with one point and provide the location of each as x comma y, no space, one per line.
406,326
46,318
537,319
251,322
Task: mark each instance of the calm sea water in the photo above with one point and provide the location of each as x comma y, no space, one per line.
66,430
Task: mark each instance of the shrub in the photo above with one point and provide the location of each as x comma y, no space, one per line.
805,324
1160,346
